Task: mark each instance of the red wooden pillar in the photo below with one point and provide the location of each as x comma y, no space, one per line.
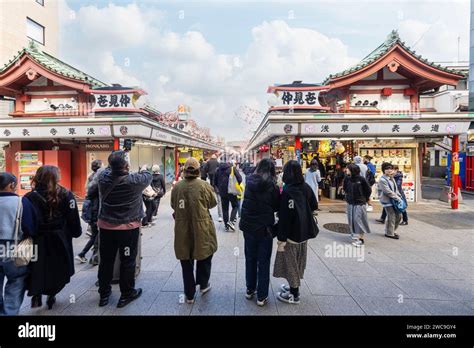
455,172
116,144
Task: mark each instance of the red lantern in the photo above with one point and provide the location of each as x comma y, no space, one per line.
386,92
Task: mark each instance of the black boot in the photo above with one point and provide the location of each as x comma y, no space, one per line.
51,301
36,301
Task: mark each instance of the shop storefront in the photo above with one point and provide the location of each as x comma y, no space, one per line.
370,109
66,118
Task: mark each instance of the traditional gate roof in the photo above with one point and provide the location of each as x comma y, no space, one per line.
52,64
392,42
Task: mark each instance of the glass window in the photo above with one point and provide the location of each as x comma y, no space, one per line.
41,2
34,31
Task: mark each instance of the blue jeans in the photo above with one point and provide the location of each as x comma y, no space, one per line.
12,297
258,251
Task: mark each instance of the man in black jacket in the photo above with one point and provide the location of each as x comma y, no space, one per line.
120,215
211,167
222,183
158,184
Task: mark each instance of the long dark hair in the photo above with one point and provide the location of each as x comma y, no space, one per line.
292,173
266,169
47,179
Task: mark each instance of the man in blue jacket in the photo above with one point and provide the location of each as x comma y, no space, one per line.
11,296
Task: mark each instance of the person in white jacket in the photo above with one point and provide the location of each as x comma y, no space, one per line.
313,177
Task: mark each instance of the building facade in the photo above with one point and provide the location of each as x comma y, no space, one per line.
66,118
373,108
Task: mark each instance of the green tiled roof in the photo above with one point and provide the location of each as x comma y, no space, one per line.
387,45
53,64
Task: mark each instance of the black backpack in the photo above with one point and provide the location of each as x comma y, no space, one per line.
370,177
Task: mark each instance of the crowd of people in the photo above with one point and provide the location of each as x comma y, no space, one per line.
270,206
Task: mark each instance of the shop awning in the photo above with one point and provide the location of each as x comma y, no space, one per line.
339,126
95,128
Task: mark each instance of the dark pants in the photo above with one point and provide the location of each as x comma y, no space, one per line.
126,242
157,205
212,179
258,251
404,215
203,273
92,239
150,208
226,199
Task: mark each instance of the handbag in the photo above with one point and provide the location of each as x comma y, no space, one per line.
400,206
23,252
233,188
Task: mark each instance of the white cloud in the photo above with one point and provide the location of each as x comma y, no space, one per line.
177,68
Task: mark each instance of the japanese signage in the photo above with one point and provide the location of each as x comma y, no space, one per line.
385,128
104,102
297,98
50,132
28,164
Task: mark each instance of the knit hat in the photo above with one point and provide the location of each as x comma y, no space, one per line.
191,168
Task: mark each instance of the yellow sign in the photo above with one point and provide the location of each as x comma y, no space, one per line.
456,168
443,161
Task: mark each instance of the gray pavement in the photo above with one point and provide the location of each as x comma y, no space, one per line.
428,271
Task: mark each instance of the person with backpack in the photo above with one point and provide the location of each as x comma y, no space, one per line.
149,196
296,225
357,194
90,211
261,201
120,218
398,177
58,224
195,239
228,173
389,195
18,221
369,164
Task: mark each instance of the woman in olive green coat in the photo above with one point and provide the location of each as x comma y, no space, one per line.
194,231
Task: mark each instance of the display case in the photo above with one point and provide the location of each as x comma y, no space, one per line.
404,157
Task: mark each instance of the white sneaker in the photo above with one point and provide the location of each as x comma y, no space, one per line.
81,259
206,289
220,219
262,302
288,298
285,288
358,243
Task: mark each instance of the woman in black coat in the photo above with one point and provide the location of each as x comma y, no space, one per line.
261,201
58,223
296,224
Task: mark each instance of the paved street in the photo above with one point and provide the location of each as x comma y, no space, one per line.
428,271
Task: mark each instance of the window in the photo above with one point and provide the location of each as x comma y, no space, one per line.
34,31
41,2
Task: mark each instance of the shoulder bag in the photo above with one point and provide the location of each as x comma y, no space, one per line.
24,249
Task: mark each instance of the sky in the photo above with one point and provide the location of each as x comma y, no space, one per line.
219,57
